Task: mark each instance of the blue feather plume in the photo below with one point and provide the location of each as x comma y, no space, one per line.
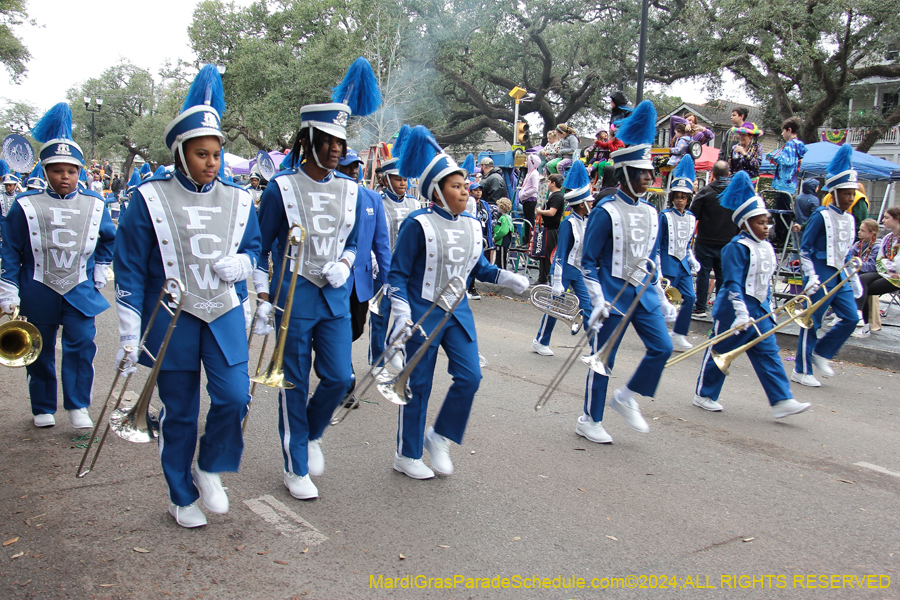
640,127
55,124
145,170
402,135
135,179
206,89
842,161
4,168
160,170
738,191
418,150
577,176
38,171
685,168
359,89
469,164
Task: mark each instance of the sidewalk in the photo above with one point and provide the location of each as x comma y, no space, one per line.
880,350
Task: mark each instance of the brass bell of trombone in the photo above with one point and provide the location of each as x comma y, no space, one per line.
20,342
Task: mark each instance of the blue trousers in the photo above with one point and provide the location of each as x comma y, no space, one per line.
462,354
301,418
378,330
78,350
222,444
651,328
584,301
684,283
763,356
845,308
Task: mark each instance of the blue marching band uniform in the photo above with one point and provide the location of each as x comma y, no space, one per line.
748,264
567,262
824,248
205,235
676,257
395,208
435,245
56,248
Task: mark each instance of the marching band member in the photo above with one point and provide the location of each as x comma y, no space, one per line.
10,188
36,180
254,188
397,206
328,208
146,171
824,248
372,246
191,225
748,263
676,258
622,230
434,245
567,264
56,247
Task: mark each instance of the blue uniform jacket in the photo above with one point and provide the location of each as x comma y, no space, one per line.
373,236
40,304
735,267
564,246
140,277
596,259
814,242
669,263
408,272
273,226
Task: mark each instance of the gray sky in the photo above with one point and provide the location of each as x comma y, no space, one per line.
145,32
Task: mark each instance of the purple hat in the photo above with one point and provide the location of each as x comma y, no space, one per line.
749,128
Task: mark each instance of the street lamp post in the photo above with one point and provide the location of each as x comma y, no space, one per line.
87,107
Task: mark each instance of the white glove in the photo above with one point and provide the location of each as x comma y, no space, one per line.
261,325
741,315
248,314
517,283
856,284
558,287
812,278
670,313
693,262
374,265
598,302
233,268
100,277
402,316
336,273
131,359
261,281
385,289
8,305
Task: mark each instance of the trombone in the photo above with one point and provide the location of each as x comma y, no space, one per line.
590,332
136,425
395,389
293,240
790,307
565,307
804,318
20,341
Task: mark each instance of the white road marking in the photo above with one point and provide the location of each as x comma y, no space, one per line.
877,468
285,520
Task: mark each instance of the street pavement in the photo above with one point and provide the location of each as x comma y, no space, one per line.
707,505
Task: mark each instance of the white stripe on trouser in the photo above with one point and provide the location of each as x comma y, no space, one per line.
542,329
801,349
706,356
162,443
400,432
286,442
590,382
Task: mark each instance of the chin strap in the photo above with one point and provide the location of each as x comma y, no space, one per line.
312,149
443,203
628,182
184,169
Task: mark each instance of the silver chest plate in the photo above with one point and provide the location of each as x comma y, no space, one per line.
452,249
574,257
395,212
193,232
762,267
327,211
63,235
634,229
840,231
681,229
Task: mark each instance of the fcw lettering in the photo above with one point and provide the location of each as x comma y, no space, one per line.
322,223
63,259
197,218
637,234
455,254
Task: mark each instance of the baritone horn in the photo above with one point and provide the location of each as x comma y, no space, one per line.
20,341
564,307
135,424
672,294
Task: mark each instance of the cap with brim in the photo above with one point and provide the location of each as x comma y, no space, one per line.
682,184
440,167
36,183
197,121
474,185
350,158
638,156
579,195
391,166
61,151
486,161
844,180
330,118
753,207
9,178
